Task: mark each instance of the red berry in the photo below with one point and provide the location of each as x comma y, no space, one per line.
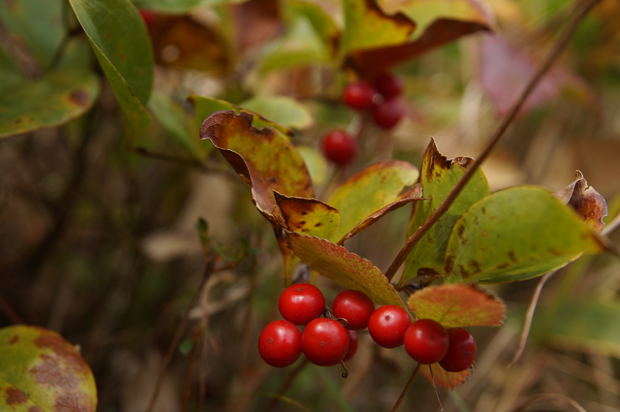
387,326
359,95
147,16
426,341
461,352
388,113
389,85
339,147
279,344
355,307
353,343
324,342
300,303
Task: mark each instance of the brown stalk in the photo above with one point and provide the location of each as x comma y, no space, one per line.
456,190
401,398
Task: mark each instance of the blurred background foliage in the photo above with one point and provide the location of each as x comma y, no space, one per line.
103,179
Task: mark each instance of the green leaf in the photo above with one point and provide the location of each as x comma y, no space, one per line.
206,106
425,12
67,94
282,110
323,20
174,119
128,65
438,176
9,72
368,27
457,306
343,267
38,23
40,371
308,216
369,190
176,6
515,234
586,325
118,33
316,163
301,46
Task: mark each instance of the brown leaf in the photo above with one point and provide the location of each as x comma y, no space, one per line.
256,21
586,201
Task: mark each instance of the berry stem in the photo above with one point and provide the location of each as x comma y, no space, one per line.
346,372
456,190
407,386
430,368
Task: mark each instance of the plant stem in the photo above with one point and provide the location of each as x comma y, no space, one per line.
456,190
288,382
401,398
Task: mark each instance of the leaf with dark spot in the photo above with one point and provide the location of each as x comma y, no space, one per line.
41,372
308,216
523,232
438,176
586,201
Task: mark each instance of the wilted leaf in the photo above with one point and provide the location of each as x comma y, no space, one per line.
180,42
586,325
343,267
40,372
53,99
504,71
369,190
586,201
308,216
457,306
174,120
128,65
431,24
264,158
206,106
38,23
515,234
438,176
443,378
281,109
411,195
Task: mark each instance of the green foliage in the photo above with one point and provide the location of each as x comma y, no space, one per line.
282,110
499,239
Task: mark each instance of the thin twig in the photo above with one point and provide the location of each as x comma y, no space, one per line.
456,190
406,388
430,369
187,385
288,382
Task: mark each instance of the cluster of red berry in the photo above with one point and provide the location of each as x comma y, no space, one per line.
326,341
381,98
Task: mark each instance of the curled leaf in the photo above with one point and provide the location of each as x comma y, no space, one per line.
308,216
586,201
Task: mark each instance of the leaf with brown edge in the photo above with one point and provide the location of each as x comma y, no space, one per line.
308,216
438,176
435,24
343,267
370,190
445,379
411,195
586,201
264,158
457,306
41,372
